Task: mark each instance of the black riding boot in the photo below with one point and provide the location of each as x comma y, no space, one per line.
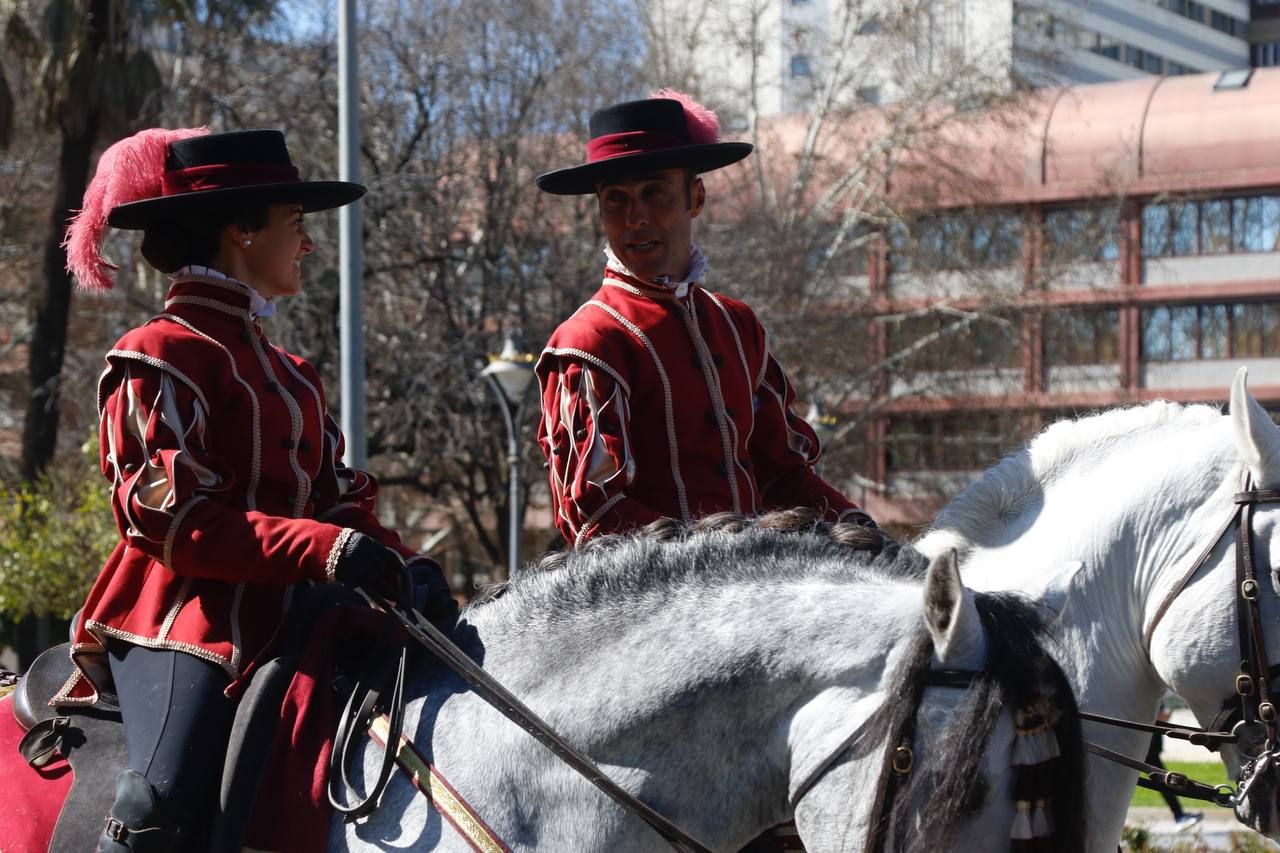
136,824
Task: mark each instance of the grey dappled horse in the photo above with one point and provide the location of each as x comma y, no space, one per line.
712,673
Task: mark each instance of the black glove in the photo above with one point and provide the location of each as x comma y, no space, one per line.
431,595
367,563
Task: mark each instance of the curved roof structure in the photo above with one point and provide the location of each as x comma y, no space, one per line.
1134,137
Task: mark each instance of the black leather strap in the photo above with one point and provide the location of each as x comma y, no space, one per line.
1163,780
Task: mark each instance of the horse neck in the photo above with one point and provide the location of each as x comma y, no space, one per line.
1137,519
740,678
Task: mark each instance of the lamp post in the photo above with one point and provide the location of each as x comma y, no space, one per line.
509,374
824,425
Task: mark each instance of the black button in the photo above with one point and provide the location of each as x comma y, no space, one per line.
717,361
729,412
130,467
746,464
273,388
580,434
304,445
287,444
556,451
546,466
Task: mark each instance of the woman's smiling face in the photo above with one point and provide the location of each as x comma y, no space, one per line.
273,259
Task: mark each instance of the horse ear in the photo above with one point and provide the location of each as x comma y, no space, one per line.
952,617
1257,436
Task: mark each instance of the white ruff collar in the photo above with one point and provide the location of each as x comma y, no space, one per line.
697,271
259,306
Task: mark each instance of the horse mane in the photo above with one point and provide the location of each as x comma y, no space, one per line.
1013,485
949,785
668,557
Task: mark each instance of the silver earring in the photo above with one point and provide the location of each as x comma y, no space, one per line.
246,243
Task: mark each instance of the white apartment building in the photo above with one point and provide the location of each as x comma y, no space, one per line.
770,57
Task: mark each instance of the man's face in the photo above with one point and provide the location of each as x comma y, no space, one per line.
649,220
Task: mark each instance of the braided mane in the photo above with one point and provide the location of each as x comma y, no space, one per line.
668,556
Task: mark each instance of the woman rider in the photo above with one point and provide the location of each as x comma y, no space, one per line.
225,467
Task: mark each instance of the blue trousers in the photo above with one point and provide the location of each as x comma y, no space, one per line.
176,726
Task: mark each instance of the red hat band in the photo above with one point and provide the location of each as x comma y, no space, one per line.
220,176
632,142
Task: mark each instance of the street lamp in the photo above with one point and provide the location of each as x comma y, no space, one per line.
824,425
509,374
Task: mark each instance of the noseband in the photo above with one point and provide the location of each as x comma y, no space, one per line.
1250,705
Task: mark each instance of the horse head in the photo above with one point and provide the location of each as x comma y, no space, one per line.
1250,710
973,741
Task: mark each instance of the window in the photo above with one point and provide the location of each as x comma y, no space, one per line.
1082,337
972,238
1211,331
869,95
1081,234
1106,46
955,441
1235,78
1256,224
800,66
1225,23
1266,54
1213,226
954,343
1169,333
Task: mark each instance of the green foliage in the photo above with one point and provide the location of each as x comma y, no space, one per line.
55,535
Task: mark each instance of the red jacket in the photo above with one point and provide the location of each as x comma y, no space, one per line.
227,486
662,405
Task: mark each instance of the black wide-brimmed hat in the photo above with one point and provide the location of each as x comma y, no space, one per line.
217,171
635,137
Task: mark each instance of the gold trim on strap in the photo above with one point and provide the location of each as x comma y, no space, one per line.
446,801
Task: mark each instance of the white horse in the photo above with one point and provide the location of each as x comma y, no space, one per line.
1133,496
720,676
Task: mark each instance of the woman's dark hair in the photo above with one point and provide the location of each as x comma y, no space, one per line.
170,246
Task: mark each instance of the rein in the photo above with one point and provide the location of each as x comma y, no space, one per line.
486,687
900,760
1251,702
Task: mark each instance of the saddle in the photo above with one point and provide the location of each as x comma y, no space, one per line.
91,738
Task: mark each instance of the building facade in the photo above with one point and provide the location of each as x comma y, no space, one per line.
1129,250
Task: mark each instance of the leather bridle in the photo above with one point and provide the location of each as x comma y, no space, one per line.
1250,706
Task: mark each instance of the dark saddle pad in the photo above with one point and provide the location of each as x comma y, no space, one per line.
91,738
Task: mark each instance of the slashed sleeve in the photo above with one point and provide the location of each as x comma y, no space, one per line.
585,434
169,490
785,449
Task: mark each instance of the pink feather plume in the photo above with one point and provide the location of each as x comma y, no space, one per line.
704,127
130,170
